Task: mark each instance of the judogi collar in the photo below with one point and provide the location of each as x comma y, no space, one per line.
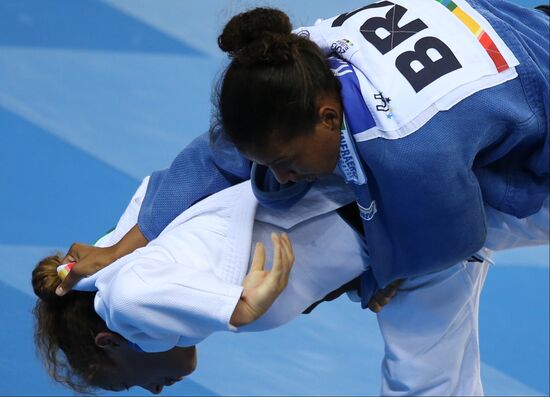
355,119
349,161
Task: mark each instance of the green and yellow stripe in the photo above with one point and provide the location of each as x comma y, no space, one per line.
484,39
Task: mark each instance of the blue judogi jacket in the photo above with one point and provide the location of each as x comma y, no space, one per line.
423,201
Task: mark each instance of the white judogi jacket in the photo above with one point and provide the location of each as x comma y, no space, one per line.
185,284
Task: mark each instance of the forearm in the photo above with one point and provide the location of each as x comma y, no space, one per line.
92,259
133,240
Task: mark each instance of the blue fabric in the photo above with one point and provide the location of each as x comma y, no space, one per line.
197,172
429,187
271,193
362,119
200,170
493,147
367,287
525,154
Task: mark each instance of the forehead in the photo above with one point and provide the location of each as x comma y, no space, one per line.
274,149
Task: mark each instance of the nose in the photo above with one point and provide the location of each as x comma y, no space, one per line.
284,176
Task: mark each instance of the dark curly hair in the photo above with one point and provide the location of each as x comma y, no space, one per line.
65,329
272,83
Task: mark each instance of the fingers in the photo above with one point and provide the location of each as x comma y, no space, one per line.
288,256
258,260
384,296
69,282
287,246
283,258
378,301
72,254
277,253
76,272
374,306
88,260
72,277
68,259
396,284
261,288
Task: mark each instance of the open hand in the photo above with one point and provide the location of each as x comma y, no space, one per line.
261,287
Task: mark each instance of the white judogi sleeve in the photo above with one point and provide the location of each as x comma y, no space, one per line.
158,305
128,219
185,284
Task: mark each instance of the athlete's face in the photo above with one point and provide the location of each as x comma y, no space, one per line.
307,156
151,371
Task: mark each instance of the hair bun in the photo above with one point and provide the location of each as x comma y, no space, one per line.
45,279
248,27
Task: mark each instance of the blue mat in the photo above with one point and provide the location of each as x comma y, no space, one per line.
94,95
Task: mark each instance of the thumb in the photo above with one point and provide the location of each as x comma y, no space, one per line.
69,278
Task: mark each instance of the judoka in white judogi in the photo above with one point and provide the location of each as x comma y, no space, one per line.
185,284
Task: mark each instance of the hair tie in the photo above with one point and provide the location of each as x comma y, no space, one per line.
63,270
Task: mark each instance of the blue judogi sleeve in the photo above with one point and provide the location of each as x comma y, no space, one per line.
198,171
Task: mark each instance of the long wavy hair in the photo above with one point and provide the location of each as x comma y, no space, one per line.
65,329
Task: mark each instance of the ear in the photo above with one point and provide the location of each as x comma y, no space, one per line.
330,112
108,340
330,116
